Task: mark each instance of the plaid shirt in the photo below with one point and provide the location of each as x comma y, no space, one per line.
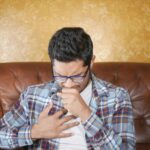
109,127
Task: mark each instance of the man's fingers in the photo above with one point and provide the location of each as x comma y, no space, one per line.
69,90
67,118
69,125
60,113
65,135
47,109
65,95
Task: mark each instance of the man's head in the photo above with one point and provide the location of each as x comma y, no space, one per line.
71,53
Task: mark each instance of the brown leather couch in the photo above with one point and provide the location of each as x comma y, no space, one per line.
135,77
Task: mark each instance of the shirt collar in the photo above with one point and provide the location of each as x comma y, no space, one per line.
98,84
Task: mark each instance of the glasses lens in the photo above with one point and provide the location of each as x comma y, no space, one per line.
77,79
60,79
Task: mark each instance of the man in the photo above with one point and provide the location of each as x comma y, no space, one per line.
76,111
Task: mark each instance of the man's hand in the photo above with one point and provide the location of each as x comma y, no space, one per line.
74,103
49,127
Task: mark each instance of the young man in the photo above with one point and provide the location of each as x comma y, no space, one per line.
76,111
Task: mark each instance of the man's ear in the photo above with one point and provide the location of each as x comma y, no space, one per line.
92,61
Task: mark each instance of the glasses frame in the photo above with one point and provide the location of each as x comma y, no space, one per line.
71,77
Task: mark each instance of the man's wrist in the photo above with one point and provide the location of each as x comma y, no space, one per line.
85,114
34,132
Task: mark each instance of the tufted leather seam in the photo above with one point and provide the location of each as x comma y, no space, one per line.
39,78
115,76
16,78
1,108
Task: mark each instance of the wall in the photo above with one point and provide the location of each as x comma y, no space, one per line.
120,29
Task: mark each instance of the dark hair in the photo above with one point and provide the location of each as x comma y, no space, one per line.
69,44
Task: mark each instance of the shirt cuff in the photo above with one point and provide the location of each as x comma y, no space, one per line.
24,136
92,125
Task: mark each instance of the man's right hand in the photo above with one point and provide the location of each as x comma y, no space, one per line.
49,127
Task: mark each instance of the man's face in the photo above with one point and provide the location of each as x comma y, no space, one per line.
72,69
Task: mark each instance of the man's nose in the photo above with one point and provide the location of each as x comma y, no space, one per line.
68,83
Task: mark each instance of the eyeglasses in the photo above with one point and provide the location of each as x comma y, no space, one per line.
74,78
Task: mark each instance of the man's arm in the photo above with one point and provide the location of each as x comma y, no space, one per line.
120,136
14,130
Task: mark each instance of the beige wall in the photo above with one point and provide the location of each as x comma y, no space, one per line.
120,29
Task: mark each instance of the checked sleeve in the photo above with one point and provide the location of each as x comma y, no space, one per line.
118,133
14,129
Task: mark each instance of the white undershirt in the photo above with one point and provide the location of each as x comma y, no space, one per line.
77,141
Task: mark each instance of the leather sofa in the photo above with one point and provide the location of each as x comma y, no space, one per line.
135,77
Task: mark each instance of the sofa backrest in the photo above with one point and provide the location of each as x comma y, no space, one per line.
135,77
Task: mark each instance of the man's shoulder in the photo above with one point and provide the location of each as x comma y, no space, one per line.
39,89
109,88
111,94
43,85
